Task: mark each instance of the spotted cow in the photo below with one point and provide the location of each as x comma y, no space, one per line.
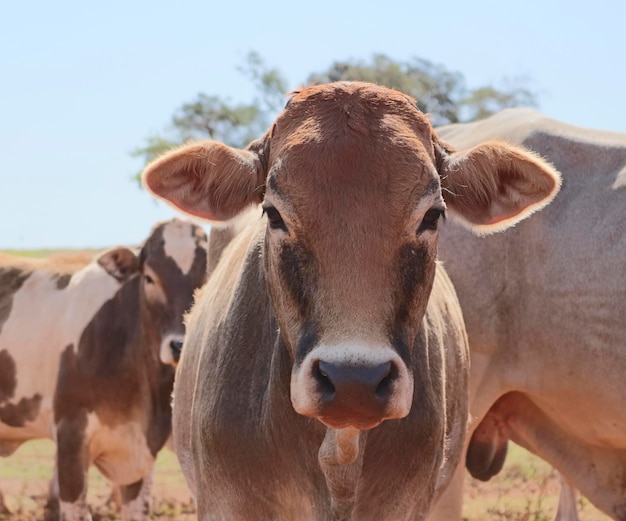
324,374
85,359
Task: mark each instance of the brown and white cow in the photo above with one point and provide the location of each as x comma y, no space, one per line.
545,310
82,355
324,374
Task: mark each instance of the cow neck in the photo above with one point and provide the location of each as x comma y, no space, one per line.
340,453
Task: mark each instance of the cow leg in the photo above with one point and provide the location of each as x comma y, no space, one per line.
115,499
72,463
52,504
568,505
137,499
4,509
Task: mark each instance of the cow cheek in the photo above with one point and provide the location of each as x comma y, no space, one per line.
155,296
155,302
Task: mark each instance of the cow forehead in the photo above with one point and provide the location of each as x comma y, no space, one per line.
179,243
177,240
335,108
354,125
354,150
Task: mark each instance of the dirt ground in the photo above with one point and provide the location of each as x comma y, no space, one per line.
526,490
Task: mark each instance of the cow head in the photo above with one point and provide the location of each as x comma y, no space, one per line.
353,182
172,263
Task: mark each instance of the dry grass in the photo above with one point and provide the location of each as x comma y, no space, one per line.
526,490
24,479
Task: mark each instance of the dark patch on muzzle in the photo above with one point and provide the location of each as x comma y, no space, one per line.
297,270
307,341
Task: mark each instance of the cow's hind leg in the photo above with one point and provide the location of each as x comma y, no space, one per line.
137,499
568,504
4,508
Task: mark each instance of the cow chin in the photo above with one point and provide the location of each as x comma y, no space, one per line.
362,424
352,386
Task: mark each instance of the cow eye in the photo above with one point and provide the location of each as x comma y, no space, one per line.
274,218
148,279
431,219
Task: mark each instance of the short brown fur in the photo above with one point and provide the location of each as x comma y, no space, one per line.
339,279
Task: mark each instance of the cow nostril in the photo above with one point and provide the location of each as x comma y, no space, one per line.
326,387
384,390
176,346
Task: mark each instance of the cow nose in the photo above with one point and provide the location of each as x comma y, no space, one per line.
354,386
176,346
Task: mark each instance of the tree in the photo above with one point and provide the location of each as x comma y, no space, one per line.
216,118
436,90
439,92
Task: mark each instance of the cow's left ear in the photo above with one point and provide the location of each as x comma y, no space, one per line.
495,185
121,262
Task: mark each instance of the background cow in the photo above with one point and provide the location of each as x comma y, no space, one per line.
318,322
84,354
545,309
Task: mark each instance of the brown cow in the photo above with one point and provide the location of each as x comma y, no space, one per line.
324,374
545,310
80,359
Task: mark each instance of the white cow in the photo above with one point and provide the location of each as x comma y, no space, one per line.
545,310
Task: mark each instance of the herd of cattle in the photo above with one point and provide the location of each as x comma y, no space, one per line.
350,351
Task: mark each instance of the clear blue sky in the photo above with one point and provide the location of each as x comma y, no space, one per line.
83,83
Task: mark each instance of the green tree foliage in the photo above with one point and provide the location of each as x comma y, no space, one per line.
436,90
212,117
439,92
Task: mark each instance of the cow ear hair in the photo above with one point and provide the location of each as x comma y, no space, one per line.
208,179
493,186
121,263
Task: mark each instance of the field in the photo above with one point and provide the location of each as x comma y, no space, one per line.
526,490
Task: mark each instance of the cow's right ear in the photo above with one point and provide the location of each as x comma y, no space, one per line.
121,262
207,179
